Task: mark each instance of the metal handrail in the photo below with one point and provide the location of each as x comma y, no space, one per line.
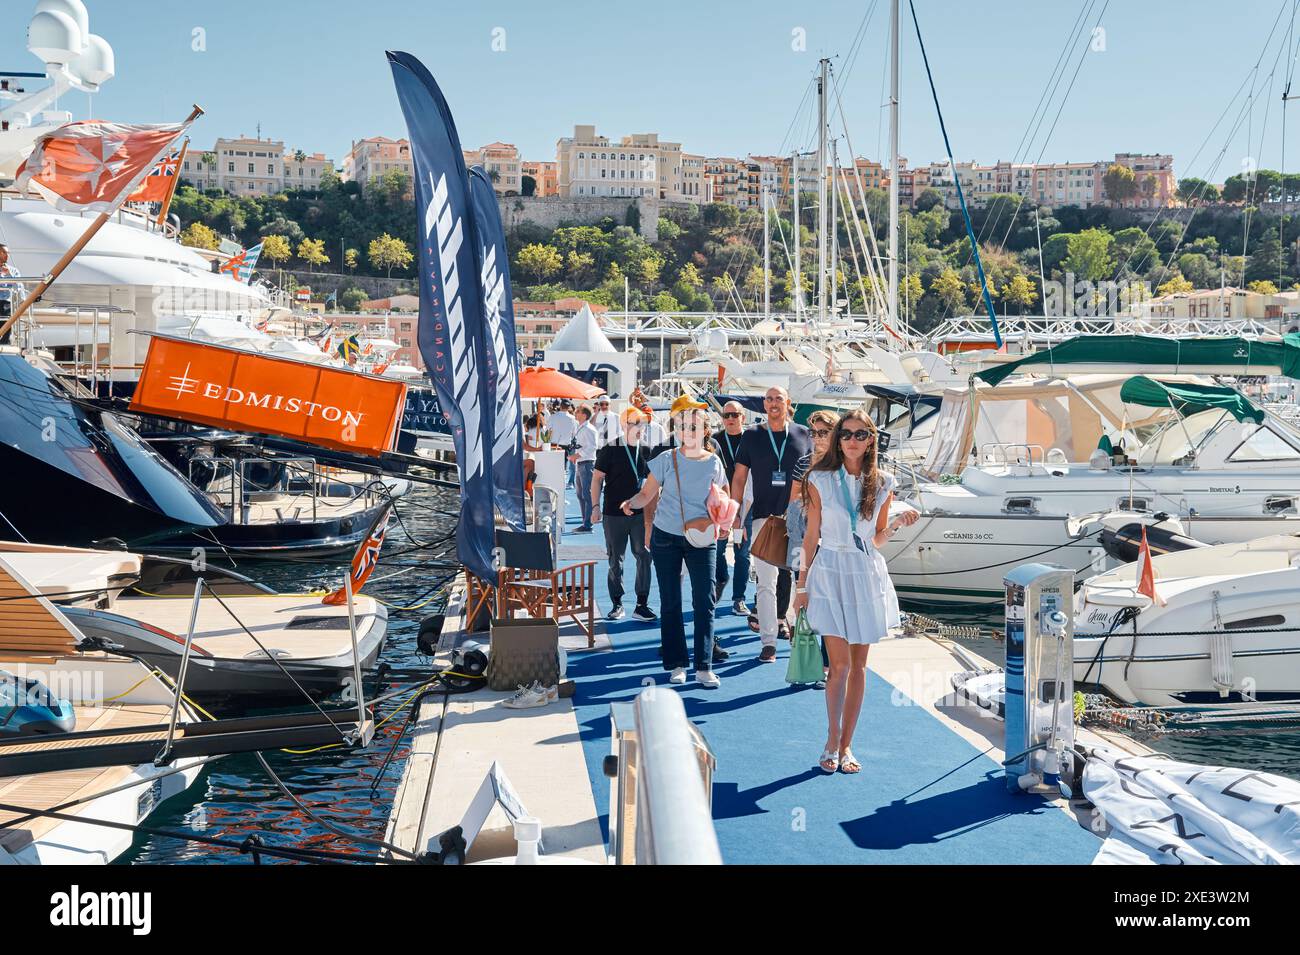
674,823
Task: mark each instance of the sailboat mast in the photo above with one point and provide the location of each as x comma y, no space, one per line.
834,230
798,268
767,258
893,164
821,190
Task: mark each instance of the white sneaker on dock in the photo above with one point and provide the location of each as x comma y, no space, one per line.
527,697
678,675
707,679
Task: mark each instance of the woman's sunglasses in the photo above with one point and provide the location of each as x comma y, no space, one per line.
862,434
820,432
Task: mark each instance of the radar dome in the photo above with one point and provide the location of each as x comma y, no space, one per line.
73,8
95,64
54,37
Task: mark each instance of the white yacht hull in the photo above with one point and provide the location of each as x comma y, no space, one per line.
1176,670
84,843
963,558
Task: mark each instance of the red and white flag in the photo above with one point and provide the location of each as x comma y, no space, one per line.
95,165
364,560
1147,573
157,186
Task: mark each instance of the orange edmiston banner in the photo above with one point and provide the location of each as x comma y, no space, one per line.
243,391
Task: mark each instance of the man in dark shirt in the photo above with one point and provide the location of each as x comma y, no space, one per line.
621,467
727,444
770,455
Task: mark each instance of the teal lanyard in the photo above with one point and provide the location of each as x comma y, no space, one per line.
848,504
635,462
732,451
784,441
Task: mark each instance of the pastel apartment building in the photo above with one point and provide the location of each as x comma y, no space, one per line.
246,166
502,164
371,158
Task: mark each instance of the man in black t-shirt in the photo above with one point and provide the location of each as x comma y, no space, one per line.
621,467
727,445
771,455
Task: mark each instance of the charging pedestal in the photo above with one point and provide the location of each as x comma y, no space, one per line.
1040,678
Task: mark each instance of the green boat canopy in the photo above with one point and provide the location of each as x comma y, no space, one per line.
1187,398
1170,356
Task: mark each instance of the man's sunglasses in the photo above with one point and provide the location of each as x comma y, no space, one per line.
731,414
862,434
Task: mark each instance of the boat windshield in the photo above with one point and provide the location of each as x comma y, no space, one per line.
1176,440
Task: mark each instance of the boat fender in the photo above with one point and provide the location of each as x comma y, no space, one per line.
1125,543
430,633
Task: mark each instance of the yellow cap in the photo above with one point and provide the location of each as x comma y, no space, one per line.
685,403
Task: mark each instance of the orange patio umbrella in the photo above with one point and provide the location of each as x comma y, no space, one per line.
549,383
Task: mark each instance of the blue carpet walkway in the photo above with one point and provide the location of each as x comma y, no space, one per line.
925,795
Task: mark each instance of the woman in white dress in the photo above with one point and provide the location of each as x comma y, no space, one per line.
846,589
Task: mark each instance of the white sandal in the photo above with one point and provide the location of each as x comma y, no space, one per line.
847,759
831,757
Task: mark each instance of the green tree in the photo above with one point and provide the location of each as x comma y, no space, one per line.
350,299
949,289
350,258
690,276
1019,291
1196,192
928,199
648,269
1177,285
580,266
910,293
527,185
1120,183
664,302
276,248
1089,255
539,261
312,251
388,252
198,236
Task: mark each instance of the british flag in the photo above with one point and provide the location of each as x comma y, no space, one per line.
365,559
158,184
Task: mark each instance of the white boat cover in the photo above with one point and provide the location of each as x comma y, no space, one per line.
1163,812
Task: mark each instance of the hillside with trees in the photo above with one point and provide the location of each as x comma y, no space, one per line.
710,257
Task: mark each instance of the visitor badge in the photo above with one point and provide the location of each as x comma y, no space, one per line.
778,479
859,543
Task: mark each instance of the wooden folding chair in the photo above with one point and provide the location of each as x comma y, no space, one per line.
531,582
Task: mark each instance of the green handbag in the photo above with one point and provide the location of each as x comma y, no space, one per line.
805,653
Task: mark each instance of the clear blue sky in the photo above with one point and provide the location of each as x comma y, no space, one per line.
721,77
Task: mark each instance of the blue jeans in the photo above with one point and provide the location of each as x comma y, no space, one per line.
742,563
568,473
584,490
669,552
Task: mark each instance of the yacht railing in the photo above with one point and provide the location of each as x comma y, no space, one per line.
661,769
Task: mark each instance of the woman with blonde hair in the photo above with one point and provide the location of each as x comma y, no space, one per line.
681,532
846,589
